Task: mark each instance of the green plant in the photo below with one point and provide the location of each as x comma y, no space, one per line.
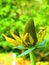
27,42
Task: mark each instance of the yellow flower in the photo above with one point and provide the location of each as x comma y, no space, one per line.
19,40
23,39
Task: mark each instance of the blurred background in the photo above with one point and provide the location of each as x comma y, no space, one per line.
15,13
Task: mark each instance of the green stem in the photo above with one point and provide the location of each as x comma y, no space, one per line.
32,58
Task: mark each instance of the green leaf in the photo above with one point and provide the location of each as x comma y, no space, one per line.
40,45
27,51
19,47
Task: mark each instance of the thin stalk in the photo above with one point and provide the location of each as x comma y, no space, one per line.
32,58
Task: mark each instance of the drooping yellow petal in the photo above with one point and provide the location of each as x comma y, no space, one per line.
18,39
39,32
21,36
31,39
12,41
24,38
42,37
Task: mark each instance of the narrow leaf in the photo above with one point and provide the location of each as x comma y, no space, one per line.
40,45
27,51
20,47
